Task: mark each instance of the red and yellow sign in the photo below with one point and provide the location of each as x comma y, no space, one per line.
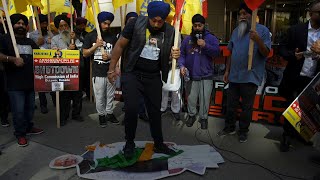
56,70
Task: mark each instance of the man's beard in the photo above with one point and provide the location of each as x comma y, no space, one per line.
44,31
243,28
20,31
65,36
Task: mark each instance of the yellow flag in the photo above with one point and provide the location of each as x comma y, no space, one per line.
117,4
61,6
19,8
191,8
89,14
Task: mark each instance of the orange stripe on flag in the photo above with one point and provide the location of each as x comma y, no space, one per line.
253,4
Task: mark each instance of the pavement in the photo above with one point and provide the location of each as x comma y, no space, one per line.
254,159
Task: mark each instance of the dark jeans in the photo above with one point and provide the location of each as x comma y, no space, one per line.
22,108
134,87
65,104
4,99
289,89
142,108
43,99
247,92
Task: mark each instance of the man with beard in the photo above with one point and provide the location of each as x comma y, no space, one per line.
20,80
298,74
62,41
103,89
141,71
243,82
44,42
197,52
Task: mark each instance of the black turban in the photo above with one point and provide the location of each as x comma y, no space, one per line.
130,15
81,20
198,18
60,18
245,7
104,15
17,17
158,8
43,18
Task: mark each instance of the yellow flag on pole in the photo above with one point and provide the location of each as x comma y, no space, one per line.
117,4
61,6
88,13
191,8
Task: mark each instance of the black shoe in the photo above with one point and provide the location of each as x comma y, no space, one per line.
111,118
204,123
78,118
285,143
315,159
128,150
5,123
190,121
44,110
102,121
176,116
143,117
226,131
243,137
163,149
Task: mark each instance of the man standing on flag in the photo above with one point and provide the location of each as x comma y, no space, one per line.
62,41
244,83
149,42
20,80
103,89
44,42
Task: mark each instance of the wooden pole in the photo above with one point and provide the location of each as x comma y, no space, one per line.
49,19
175,45
71,21
121,18
58,108
13,38
33,18
251,44
97,24
35,10
3,24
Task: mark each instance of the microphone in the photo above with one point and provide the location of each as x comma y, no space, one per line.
199,36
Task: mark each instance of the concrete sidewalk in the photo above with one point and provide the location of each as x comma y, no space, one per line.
32,162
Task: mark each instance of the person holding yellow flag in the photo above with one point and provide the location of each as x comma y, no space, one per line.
149,42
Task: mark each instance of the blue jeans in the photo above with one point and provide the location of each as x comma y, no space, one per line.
22,107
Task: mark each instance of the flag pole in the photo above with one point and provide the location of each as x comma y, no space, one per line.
71,21
3,24
97,24
251,44
176,42
33,18
13,38
49,19
35,10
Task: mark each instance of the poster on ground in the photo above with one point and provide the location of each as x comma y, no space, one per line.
56,70
304,111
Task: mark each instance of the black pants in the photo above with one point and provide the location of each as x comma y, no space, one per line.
43,99
289,89
4,98
247,92
65,104
135,86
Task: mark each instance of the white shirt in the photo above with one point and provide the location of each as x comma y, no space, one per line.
310,63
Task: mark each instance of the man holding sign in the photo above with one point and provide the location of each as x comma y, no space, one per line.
19,73
243,82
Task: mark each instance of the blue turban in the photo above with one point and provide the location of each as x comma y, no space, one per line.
103,16
158,8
